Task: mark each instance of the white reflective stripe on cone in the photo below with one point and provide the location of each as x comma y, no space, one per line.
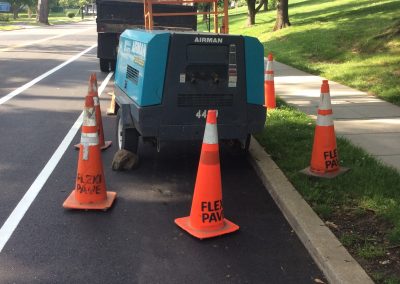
85,154
268,77
324,120
89,117
92,139
87,140
210,134
96,101
325,101
269,65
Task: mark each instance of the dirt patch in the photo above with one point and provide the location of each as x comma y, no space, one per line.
363,233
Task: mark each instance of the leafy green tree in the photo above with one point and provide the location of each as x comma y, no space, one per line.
204,7
73,3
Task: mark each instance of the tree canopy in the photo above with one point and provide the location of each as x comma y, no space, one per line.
73,3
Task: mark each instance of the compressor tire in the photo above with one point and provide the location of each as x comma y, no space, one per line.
127,138
104,65
246,146
242,147
113,63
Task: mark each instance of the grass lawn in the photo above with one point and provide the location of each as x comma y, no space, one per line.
8,23
363,204
353,42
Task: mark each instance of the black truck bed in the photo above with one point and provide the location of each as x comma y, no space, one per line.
115,16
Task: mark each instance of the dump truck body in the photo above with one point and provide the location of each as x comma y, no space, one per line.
114,16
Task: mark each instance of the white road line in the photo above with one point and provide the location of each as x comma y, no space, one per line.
41,77
18,213
42,40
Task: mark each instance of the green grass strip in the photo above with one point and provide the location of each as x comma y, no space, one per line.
8,23
369,186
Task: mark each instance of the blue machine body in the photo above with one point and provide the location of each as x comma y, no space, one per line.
140,50
253,52
165,81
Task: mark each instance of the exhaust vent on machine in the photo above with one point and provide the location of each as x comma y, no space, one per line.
205,100
132,74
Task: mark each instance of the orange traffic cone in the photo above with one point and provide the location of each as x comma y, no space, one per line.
92,91
90,190
269,85
206,218
324,157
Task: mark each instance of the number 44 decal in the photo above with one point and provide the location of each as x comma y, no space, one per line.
202,113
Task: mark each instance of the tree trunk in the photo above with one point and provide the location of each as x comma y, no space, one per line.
15,13
43,12
29,12
15,9
206,8
262,2
251,6
282,15
252,17
265,5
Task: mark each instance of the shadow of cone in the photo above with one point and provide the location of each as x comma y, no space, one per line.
324,157
90,190
92,92
269,85
206,218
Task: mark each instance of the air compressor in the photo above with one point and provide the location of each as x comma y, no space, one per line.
165,82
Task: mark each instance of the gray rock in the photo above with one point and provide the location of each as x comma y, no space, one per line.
124,160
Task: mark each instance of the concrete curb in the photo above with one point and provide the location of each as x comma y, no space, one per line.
326,250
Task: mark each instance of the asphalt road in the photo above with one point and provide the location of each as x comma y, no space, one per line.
136,241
